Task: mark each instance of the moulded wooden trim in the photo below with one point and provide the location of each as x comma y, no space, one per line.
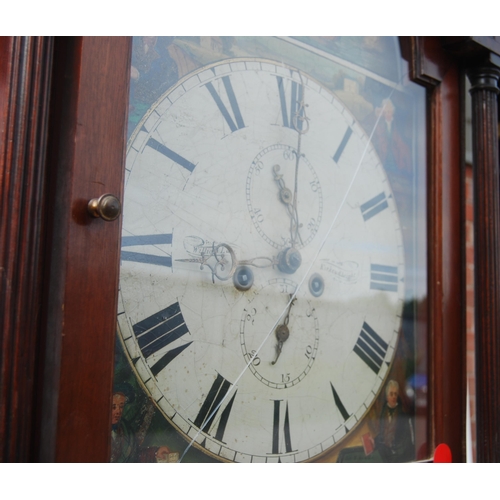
484,91
25,64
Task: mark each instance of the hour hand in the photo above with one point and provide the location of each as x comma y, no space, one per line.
286,196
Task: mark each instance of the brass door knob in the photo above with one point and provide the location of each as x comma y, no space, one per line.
107,207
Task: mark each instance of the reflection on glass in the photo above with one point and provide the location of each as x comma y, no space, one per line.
273,276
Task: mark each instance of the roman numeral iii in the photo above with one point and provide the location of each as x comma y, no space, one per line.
384,278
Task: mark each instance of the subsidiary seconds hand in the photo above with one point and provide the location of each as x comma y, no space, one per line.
282,331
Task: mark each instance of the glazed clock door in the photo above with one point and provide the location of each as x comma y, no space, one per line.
281,288
273,276
231,251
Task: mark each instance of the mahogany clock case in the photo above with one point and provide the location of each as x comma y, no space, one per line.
217,118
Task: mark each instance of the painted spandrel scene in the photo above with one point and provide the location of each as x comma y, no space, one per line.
365,81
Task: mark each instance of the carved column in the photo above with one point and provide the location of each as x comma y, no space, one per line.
484,91
25,64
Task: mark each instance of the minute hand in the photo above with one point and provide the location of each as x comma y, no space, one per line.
301,124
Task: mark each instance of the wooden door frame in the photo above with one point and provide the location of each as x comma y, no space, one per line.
87,151
439,71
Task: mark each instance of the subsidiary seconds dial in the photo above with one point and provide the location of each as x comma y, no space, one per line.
287,357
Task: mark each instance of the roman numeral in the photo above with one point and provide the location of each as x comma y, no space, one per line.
371,348
211,407
159,330
384,278
232,102
342,145
374,206
147,239
277,429
291,119
177,158
339,404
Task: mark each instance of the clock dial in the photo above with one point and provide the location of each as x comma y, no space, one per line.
262,276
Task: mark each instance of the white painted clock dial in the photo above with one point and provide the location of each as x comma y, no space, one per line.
203,195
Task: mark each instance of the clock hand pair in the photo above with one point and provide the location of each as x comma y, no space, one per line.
287,198
300,123
299,120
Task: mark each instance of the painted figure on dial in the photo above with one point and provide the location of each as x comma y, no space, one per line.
395,439
126,444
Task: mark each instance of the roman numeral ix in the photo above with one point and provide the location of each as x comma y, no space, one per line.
148,239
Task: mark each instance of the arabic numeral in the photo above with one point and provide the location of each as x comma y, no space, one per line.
250,315
258,167
285,377
286,288
314,186
253,358
309,352
257,214
311,225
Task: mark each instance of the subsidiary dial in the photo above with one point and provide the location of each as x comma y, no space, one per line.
269,191
286,356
